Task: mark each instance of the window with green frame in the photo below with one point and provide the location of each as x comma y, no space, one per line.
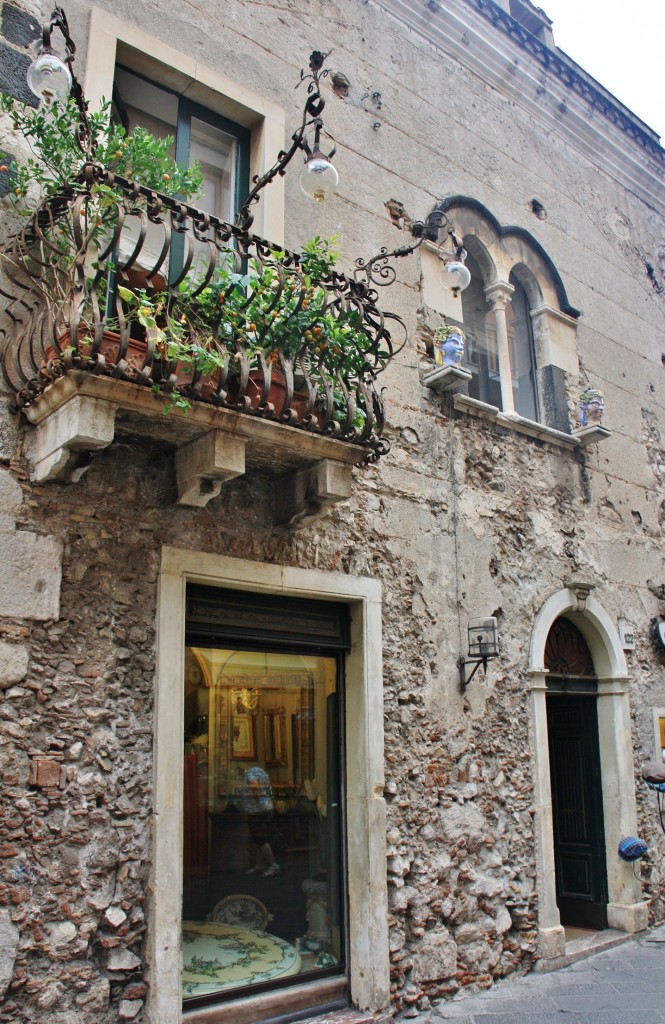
221,146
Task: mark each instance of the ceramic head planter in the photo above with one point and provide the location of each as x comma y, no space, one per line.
448,345
592,406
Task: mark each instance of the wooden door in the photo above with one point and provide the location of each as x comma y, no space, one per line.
577,806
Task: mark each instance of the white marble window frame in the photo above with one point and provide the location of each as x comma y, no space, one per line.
365,805
112,40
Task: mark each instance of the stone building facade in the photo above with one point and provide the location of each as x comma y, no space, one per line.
451,858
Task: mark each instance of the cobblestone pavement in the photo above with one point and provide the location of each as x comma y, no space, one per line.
623,985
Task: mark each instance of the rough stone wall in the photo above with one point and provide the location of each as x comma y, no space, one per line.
462,518
462,817
77,739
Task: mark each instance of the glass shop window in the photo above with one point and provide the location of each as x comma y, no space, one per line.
263,895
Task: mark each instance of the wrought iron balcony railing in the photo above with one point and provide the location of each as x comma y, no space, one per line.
117,280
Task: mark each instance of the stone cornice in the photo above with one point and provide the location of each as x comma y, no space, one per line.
544,83
571,75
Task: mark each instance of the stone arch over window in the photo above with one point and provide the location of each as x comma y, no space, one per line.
521,325
625,911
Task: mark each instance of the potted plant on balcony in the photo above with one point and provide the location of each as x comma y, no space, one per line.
57,160
57,175
276,337
255,328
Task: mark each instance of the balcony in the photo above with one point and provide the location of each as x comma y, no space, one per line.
130,312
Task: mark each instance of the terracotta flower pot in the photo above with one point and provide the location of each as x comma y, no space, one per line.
109,348
276,393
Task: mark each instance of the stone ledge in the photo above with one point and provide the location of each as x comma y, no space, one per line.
512,421
445,378
591,434
598,942
81,413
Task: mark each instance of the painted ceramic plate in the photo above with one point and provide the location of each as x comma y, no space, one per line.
217,957
242,910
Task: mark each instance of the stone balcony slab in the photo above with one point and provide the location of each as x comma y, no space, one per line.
81,413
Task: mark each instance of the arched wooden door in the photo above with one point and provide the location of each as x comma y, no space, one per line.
577,794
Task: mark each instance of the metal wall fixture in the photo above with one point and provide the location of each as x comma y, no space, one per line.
318,178
50,76
52,79
454,274
657,634
483,645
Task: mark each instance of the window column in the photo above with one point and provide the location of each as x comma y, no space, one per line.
498,295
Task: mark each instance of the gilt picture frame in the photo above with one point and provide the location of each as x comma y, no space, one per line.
243,733
274,737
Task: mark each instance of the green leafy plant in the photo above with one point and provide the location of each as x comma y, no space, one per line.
56,161
277,312
273,309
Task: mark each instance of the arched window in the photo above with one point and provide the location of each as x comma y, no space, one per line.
480,354
520,327
503,376
521,352
567,652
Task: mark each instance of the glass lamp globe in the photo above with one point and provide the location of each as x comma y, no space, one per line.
455,275
49,77
318,178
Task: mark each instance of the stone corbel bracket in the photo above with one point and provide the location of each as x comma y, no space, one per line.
581,588
83,424
204,464
591,434
302,496
78,414
445,378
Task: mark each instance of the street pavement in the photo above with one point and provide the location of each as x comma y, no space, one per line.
623,985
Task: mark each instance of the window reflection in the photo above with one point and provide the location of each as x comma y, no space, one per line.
522,356
481,356
261,838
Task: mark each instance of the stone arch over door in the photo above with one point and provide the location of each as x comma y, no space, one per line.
625,910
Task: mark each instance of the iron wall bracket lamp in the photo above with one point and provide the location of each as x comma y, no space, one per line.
51,77
483,645
318,178
454,273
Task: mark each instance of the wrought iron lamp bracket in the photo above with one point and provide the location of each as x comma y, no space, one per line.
59,21
312,112
430,230
462,664
377,271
